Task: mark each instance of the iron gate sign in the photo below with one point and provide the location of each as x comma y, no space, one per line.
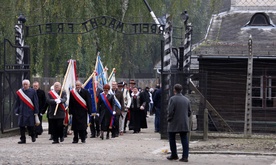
92,24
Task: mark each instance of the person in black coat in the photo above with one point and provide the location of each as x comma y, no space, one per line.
56,116
94,118
145,100
137,114
107,110
119,95
157,98
80,106
26,107
42,103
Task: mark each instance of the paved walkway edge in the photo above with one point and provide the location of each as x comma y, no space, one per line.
233,153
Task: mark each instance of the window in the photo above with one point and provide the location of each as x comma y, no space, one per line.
257,92
264,91
259,19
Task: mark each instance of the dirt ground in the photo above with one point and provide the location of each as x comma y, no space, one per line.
236,142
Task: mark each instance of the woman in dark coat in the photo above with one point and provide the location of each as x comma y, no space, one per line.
137,111
106,110
145,100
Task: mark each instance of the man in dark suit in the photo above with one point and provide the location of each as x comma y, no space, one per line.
94,119
179,111
42,103
79,106
119,95
157,105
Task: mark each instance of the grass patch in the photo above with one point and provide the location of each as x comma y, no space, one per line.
44,118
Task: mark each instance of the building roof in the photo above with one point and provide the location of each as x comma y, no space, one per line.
229,33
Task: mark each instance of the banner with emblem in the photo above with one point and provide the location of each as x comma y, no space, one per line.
101,73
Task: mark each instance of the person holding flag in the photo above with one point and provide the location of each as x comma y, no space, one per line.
58,98
94,118
107,111
79,106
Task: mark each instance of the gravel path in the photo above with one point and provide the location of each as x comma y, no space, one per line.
143,148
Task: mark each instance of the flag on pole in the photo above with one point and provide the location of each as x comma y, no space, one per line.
111,77
90,86
69,81
101,76
117,103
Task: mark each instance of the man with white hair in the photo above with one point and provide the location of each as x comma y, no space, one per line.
26,107
80,106
56,100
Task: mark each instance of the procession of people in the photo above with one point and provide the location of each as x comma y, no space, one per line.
119,109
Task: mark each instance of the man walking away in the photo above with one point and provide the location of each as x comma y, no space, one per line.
178,122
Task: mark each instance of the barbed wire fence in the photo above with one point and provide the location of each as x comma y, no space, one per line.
200,27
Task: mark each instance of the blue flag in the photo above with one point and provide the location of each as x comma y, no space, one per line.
101,77
90,86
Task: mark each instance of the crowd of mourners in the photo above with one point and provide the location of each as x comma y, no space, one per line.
120,107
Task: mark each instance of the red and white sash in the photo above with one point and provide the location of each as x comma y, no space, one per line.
55,96
79,99
25,99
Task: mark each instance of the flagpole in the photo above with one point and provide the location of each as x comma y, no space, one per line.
111,74
84,84
65,77
97,61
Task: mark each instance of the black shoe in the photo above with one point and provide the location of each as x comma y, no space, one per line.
75,142
102,136
92,136
33,139
98,134
124,131
22,142
107,136
83,141
55,142
183,160
61,139
172,157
